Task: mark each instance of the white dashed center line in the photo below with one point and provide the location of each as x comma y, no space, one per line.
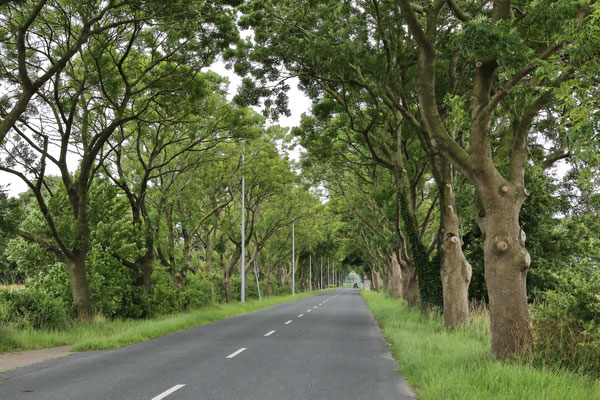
236,353
300,315
288,322
270,333
308,310
168,392
315,307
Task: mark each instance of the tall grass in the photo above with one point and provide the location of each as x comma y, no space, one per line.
446,365
105,334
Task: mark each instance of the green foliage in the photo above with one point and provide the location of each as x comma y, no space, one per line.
481,41
442,364
164,298
10,216
428,271
112,286
197,291
31,308
566,322
106,334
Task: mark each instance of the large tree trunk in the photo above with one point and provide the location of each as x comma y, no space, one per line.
376,279
410,284
146,268
455,270
396,277
208,254
79,287
227,272
506,263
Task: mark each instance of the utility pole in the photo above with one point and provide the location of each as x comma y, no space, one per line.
310,272
243,271
321,286
333,275
328,273
293,262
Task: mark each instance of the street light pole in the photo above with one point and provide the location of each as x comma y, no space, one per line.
310,272
327,272
321,286
243,223
293,262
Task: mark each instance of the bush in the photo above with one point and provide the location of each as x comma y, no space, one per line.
163,298
31,308
197,291
283,290
567,323
113,287
217,291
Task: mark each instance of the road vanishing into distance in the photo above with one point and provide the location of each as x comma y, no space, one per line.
326,346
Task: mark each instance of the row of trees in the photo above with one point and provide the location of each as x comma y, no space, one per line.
435,129
133,156
437,93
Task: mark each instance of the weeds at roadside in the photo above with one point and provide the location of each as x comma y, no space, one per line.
105,334
443,364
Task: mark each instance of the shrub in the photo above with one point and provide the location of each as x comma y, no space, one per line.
285,289
567,323
163,298
113,287
31,308
197,291
236,287
217,291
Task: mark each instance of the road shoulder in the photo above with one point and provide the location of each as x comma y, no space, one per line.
9,361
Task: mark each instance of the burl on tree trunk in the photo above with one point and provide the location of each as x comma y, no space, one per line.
455,269
506,264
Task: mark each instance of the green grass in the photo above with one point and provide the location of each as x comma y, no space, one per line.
103,334
446,365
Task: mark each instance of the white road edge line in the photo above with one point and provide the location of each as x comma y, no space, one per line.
270,333
168,392
236,353
300,315
288,322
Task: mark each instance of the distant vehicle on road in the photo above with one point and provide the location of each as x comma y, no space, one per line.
355,286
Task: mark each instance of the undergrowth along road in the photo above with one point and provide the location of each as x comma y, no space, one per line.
446,365
105,334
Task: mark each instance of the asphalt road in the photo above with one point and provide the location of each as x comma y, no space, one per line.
327,346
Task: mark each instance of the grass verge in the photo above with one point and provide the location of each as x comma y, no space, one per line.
104,334
445,365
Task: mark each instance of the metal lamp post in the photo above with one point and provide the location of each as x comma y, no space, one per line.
293,262
310,272
243,223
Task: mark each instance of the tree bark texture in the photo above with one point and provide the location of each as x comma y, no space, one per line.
410,285
455,270
505,258
396,277
79,286
506,264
